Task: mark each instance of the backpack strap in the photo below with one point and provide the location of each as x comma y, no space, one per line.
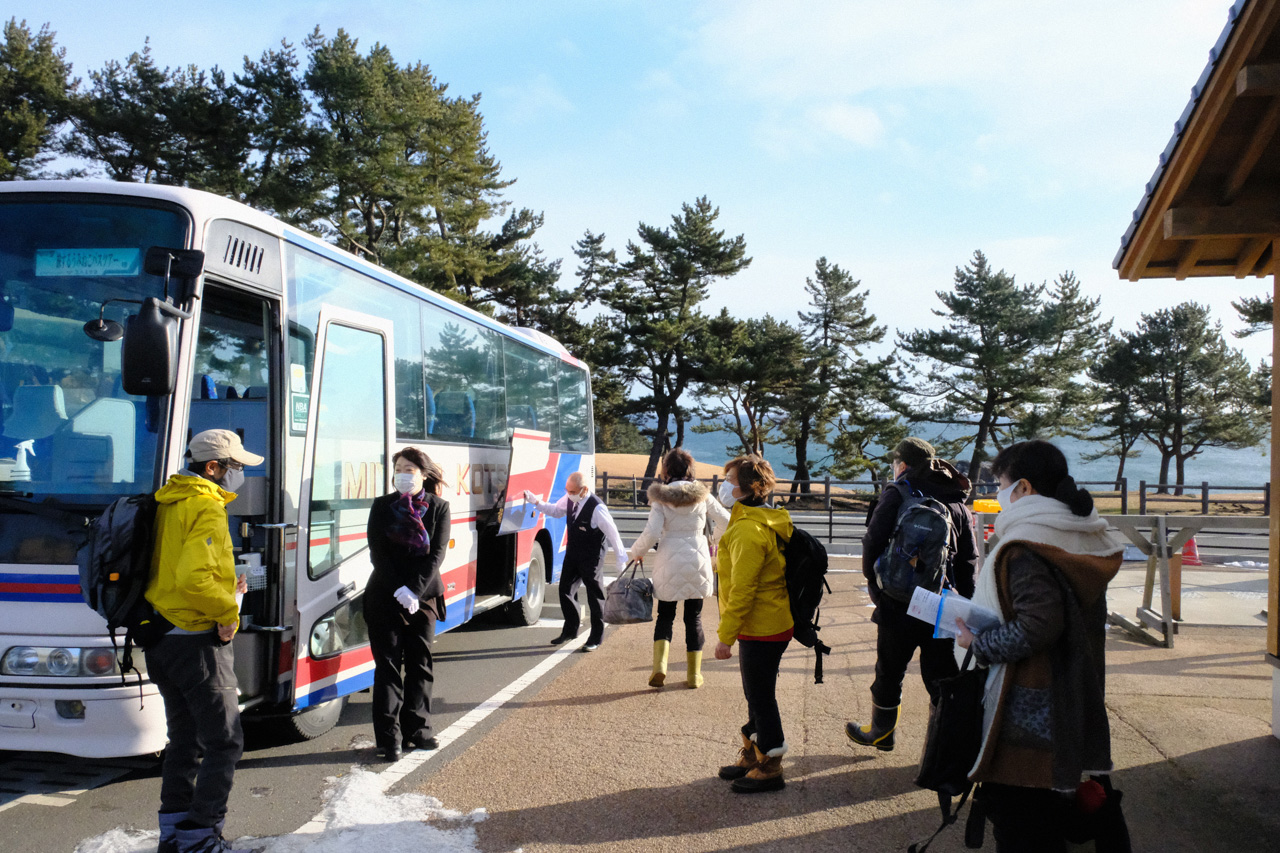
949,817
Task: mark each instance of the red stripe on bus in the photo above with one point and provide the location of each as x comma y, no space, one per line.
311,671
47,588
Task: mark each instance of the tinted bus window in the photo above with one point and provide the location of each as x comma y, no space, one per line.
464,393
532,394
317,281
575,413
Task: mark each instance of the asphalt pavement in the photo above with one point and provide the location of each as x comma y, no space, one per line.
597,759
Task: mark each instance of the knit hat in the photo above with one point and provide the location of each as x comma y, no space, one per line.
914,452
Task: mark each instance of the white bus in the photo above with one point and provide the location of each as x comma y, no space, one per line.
325,364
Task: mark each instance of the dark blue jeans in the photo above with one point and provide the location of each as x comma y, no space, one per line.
693,636
758,661
195,677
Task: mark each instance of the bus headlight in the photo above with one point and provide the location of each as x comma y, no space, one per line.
20,660
99,661
63,662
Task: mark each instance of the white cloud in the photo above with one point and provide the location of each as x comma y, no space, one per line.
859,125
533,100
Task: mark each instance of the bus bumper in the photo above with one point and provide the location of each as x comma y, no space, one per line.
113,724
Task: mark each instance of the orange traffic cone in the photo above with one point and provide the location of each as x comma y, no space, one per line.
1191,554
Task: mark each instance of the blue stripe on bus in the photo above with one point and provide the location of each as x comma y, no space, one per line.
342,687
13,577
45,597
566,465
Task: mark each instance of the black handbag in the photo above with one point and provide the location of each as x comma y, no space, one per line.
629,599
952,742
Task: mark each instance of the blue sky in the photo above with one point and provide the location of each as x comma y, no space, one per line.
892,138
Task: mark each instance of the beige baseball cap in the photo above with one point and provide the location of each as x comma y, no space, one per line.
221,444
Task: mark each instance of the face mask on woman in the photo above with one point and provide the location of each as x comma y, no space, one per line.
1005,496
727,496
407,484
232,480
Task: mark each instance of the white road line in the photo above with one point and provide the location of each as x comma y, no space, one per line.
413,760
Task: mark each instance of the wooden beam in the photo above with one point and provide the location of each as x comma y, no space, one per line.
1249,257
1273,568
1190,223
1252,153
1253,80
1187,263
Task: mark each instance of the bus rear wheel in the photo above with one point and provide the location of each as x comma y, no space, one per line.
316,720
528,610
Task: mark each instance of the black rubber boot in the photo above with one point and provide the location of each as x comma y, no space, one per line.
884,721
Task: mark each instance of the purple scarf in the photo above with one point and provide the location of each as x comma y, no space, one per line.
406,522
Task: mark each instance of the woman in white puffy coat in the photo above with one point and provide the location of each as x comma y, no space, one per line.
682,570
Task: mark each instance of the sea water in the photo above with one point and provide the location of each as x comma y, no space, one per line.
1218,466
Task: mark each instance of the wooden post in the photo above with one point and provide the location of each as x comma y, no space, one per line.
1273,571
1204,497
1142,497
1124,495
604,488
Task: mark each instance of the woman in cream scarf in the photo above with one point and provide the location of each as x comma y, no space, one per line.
1045,722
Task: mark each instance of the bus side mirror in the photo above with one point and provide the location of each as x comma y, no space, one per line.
148,365
185,265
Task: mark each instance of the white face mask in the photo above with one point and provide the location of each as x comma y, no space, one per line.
727,496
578,497
407,484
1005,496
232,480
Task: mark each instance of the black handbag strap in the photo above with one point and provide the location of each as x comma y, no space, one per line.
949,816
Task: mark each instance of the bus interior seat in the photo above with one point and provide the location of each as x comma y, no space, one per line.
231,393
522,417
208,388
255,392
85,458
38,411
455,415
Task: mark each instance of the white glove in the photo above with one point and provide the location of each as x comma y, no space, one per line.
407,599
530,497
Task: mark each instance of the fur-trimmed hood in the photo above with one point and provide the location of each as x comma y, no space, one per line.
679,493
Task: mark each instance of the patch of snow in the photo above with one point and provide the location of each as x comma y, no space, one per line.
358,815
1246,564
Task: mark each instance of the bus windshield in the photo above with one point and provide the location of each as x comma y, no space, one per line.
68,432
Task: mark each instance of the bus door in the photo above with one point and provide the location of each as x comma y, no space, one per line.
235,386
345,466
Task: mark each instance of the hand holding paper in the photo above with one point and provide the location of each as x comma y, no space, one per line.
941,610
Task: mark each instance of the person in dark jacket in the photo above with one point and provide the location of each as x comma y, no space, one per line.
408,537
915,466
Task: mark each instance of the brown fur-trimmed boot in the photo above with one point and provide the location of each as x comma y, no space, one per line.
746,762
766,775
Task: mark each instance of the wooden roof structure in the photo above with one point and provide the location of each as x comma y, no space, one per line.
1212,208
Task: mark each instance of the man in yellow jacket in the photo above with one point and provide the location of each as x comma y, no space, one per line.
193,586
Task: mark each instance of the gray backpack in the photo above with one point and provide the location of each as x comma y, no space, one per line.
922,547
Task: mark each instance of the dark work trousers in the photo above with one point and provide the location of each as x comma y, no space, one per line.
896,642
572,576
195,676
1025,820
693,636
401,702
758,661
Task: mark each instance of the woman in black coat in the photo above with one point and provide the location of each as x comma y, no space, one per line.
408,537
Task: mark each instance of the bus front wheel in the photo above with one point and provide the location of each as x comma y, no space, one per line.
316,720
528,610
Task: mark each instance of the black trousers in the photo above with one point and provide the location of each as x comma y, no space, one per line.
401,702
663,627
196,679
758,662
898,638
1025,820
575,575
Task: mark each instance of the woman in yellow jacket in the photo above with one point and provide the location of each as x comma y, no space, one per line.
755,612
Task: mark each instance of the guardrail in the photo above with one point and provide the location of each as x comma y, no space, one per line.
836,496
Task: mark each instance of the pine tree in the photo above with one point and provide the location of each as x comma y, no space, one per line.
35,80
654,296
1008,362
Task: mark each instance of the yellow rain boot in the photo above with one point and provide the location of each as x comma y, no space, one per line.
661,648
694,678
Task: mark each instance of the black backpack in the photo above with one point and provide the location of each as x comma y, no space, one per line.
923,545
806,573
115,565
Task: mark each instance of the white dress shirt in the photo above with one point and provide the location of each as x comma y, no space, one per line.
600,520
